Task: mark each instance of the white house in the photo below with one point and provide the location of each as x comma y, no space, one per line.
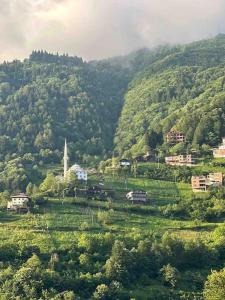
125,163
18,202
80,172
220,151
137,196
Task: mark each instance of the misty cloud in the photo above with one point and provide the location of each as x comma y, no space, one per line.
103,28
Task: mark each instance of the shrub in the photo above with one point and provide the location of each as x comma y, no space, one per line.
84,226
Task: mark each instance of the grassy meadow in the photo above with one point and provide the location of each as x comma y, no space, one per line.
59,224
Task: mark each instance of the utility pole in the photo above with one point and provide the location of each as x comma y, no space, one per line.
113,165
65,159
75,192
64,195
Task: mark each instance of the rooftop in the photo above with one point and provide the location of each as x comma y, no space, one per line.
20,195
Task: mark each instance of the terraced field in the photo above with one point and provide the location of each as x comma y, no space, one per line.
58,225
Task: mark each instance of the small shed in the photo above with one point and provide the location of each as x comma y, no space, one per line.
137,196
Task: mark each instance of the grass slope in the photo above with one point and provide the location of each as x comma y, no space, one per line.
57,225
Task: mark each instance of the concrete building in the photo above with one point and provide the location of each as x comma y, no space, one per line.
80,172
174,137
215,179
220,151
19,203
202,183
179,160
198,183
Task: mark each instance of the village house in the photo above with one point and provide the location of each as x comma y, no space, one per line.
198,183
80,172
146,157
220,151
175,137
19,203
202,183
179,160
124,162
137,197
150,156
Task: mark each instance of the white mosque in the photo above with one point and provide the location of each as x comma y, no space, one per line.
80,172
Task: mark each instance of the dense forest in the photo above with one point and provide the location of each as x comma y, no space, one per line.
183,89
48,98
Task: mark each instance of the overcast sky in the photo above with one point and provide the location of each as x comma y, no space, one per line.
102,28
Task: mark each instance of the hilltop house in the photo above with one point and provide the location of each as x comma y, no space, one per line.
179,160
220,151
174,137
137,196
19,203
202,183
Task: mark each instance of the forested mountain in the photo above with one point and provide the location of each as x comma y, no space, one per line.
47,98
183,90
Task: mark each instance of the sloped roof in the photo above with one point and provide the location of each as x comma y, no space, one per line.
20,195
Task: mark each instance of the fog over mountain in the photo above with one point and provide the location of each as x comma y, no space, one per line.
97,29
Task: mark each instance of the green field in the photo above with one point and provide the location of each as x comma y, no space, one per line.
198,168
73,228
58,225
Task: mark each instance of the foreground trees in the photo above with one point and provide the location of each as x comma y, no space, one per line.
97,267
215,286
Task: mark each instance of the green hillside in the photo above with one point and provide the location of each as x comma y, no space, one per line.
62,249
182,90
125,104
84,239
48,98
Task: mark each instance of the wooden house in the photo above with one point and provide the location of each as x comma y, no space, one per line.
19,203
137,197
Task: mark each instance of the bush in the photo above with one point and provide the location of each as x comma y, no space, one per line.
40,199
84,226
215,286
170,275
104,217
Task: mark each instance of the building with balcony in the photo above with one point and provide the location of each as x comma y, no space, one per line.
19,203
175,137
220,151
179,160
203,183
